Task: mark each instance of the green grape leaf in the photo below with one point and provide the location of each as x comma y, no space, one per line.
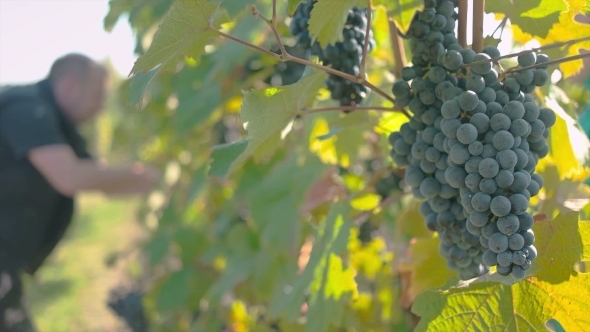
139,83
324,267
268,111
116,9
185,26
537,26
224,155
234,7
172,293
276,201
556,290
402,11
328,18
292,6
157,248
545,8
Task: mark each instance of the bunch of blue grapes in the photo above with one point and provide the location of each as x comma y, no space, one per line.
345,55
471,146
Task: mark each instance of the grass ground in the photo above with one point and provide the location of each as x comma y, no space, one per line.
71,290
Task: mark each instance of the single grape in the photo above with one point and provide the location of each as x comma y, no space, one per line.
529,237
488,186
481,122
504,270
542,58
489,229
500,206
468,101
516,241
459,154
489,258
475,148
507,159
502,97
500,121
524,77
531,111
478,219
455,176
519,204
540,77
520,183
498,242
518,271
489,151
436,74
481,68
511,86
527,59
489,168
514,110
519,127
526,221
508,224
504,179
481,202
531,252
547,116
452,60
487,95
467,133
450,109
449,127
408,73
505,258
503,140
475,83
518,257
472,182
472,165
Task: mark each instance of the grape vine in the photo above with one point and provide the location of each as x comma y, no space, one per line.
472,145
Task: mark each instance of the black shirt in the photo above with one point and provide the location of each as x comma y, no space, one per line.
33,215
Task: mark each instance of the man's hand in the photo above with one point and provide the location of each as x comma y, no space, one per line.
69,175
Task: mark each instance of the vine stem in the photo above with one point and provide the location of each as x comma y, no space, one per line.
273,26
399,54
478,13
366,43
552,62
462,28
544,47
348,108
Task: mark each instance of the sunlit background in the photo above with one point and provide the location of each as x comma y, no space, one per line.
33,33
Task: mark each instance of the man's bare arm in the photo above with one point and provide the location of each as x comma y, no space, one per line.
69,174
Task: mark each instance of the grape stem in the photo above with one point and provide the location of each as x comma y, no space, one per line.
548,46
552,62
478,14
462,29
287,57
399,54
272,25
366,43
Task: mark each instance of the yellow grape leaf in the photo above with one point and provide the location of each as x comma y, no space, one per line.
365,202
380,23
328,18
325,148
566,29
390,122
557,291
424,258
546,7
410,223
402,11
561,149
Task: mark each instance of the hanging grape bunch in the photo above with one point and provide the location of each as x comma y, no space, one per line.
471,146
344,56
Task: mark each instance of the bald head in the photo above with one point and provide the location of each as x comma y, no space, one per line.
79,85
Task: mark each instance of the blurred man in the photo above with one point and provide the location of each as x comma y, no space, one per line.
44,165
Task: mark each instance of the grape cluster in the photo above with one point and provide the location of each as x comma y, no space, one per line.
289,72
129,307
471,146
345,55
